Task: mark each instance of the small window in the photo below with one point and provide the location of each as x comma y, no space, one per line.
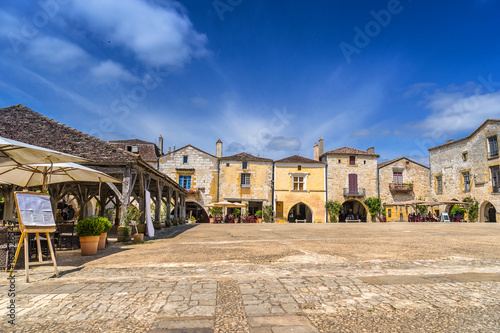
389,213
185,181
364,162
397,177
245,180
407,164
465,156
493,146
298,183
466,177
339,160
129,148
227,165
352,160
495,178
439,184
245,165
299,167
185,159
135,149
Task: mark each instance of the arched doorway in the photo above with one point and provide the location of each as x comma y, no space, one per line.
353,210
487,212
449,207
194,209
300,213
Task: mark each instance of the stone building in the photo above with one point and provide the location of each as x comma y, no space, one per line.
401,180
247,179
469,167
148,151
197,172
299,190
352,178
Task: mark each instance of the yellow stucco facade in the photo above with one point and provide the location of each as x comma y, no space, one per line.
289,193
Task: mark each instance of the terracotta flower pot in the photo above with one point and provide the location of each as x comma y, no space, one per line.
259,220
88,245
138,238
102,241
212,220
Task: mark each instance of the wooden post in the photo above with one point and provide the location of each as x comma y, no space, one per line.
159,194
169,201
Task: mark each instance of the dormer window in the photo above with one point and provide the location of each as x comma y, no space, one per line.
128,148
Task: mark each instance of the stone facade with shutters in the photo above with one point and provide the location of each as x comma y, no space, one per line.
469,168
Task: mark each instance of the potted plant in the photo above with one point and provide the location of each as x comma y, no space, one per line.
104,235
141,228
138,237
212,215
157,225
132,214
259,216
237,213
89,230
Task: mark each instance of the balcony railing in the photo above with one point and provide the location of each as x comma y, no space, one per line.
354,192
401,187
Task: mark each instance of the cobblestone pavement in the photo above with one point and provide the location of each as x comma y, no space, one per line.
272,278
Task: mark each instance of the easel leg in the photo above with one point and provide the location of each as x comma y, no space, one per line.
18,250
39,247
52,254
26,259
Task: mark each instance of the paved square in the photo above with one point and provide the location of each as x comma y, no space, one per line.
380,277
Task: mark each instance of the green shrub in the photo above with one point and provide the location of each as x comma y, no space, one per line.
106,223
333,208
268,213
91,226
258,214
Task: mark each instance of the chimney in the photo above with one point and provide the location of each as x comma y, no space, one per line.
218,148
160,144
316,152
169,149
321,147
371,150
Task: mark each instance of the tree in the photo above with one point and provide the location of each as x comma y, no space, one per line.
333,208
374,206
267,212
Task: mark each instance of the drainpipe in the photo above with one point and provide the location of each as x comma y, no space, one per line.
378,182
326,187
218,179
273,199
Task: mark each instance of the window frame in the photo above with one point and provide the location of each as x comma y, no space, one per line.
185,182
352,159
185,159
244,165
466,181
492,151
245,180
439,185
495,178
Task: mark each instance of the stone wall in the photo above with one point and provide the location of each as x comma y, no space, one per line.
449,162
202,168
414,173
261,174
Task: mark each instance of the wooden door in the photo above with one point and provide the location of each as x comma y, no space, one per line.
353,183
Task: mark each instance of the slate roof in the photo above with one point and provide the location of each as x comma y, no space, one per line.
298,159
350,151
148,150
489,120
23,124
245,157
384,164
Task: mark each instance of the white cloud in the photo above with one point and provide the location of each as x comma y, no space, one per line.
454,112
158,35
281,143
57,53
109,70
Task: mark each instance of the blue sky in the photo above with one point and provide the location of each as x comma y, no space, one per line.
266,77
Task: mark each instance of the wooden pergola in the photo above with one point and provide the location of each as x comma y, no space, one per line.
25,125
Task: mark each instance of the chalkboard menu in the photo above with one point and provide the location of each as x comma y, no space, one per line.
34,209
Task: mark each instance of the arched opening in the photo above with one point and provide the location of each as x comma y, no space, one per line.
353,210
449,207
300,213
487,212
194,209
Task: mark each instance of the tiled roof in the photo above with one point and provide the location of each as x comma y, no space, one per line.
148,150
23,124
384,164
350,151
298,159
467,137
186,146
245,157
132,142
